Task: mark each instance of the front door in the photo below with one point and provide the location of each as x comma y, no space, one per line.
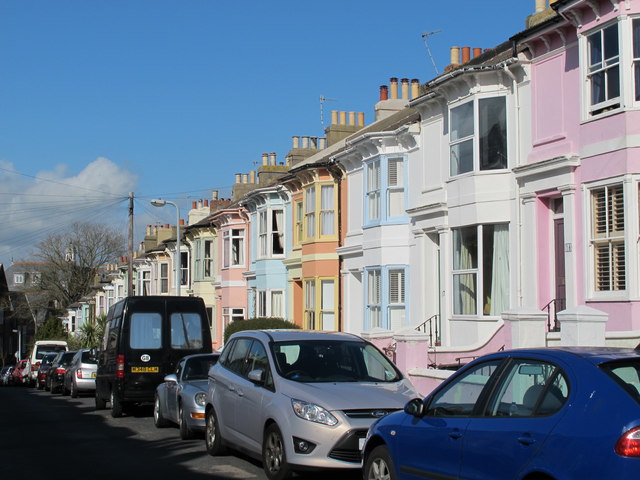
560,284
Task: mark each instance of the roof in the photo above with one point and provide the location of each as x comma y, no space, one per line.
284,335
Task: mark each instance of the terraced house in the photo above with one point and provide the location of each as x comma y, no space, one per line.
493,206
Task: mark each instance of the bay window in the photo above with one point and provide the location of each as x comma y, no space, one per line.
233,247
384,194
385,297
271,233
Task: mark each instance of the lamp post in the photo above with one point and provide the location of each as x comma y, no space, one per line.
19,332
158,202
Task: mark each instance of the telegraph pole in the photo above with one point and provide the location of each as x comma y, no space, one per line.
130,256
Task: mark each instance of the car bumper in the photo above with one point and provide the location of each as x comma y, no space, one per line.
86,384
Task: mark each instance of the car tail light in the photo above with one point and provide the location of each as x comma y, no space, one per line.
60,370
628,444
120,366
79,373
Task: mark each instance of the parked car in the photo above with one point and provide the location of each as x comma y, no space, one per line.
80,376
43,370
299,399
39,350
19,376
59,365
569,413
5,375
181,398
144,340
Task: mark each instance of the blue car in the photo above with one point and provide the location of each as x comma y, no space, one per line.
570,413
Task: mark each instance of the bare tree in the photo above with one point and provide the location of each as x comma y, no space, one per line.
72,260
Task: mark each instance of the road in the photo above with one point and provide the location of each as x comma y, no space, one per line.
51,437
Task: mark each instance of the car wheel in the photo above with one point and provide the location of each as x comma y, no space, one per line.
65,390
73,390
274,458
379,465
158,420
39,386
116,405
212,438
185,432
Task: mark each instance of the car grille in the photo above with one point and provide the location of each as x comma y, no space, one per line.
370,413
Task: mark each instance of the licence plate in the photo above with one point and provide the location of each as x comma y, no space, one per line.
145,369
360,443
93,374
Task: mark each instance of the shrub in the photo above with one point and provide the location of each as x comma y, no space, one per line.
260,323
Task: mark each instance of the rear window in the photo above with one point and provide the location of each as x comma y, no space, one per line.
186,331
145,331
42,350
88,358
626,374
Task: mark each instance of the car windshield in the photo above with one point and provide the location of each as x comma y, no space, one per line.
625,373
197,368
332,361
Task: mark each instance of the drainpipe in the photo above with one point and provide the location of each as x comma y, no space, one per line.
514,86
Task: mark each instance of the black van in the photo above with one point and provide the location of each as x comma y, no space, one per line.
144,339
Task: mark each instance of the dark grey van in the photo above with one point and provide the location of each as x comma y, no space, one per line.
144,339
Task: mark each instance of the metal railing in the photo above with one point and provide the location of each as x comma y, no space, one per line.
432,324
558,304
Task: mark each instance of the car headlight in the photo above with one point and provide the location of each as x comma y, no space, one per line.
313,413
200,398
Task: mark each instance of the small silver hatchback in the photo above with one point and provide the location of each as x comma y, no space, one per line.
300,400
80,376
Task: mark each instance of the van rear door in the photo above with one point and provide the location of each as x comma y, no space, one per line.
142,361
188,330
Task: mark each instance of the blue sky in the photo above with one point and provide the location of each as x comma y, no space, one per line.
171,99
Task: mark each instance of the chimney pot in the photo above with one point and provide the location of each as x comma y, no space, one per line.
296,142
272,157
252,176
405,88
466,54
314,142
305,142
361,119
323,143
214,195
245,178
265,159
352,118
384,92
477,52
206,203
343,117
182,222
238,177
415,88
334,117
455,55
394,88
193,205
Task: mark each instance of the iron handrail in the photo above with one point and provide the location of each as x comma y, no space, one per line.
430,322
547,307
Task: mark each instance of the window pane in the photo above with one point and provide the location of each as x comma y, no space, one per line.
186,331
611,49
464,294
493,133
462,121
613,82
145,331
595,51
461,157
465,248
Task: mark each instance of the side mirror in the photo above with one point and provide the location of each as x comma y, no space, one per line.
415,407
256,376
171,378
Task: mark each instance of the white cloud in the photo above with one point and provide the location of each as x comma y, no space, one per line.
31,207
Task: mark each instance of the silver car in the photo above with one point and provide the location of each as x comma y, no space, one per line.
181,398
80,376
300,399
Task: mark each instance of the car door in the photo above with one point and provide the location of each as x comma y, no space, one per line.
173,390
524,409
227,382
253,395
431,446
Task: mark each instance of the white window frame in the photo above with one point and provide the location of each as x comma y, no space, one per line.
233,244
606,236
271,228
310,212
18,278
615,63
163,278
207,262
232,314
267,304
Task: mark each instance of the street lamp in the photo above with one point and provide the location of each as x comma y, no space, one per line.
19,332
158,202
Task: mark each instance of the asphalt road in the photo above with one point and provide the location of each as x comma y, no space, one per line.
51,437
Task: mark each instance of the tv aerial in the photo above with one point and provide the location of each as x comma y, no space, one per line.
424,39
324,99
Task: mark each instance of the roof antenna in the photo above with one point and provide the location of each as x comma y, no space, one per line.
322,100
424,38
